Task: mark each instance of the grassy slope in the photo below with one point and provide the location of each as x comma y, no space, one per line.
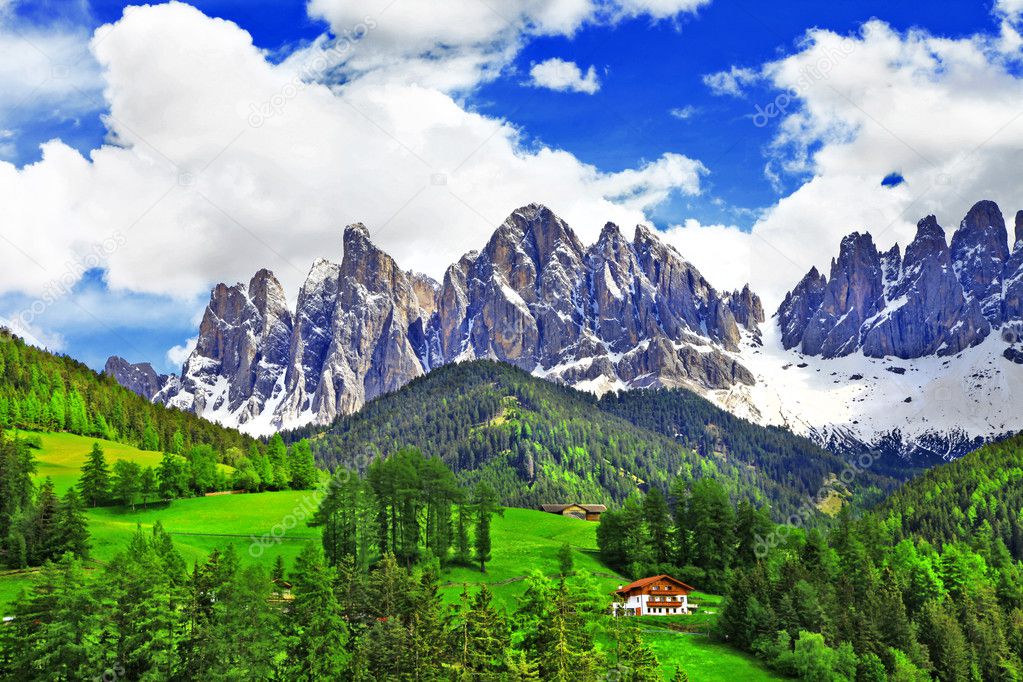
524,541
63,454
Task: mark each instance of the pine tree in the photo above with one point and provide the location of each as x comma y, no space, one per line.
245,640
148,485
144,626
173,476
463,549
317,632
485,505
658,522
481,636
566,562
72,526
44,537
680,675
127,482
278,456
565,646
302,466
95,480
636,661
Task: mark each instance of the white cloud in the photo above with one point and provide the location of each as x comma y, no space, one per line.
455,45
652,183
1009,9
47,71
943,112
683,113
557,74
177,355
34,335
660,9
221,162
730,82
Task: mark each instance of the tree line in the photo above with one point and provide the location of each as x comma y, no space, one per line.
197,471
145,616
929,585
35,524
537,442
46,392
693,533
408,506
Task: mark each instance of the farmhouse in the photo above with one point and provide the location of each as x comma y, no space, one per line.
590,512
660,595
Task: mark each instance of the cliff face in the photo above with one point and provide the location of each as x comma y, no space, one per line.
939,299
621,313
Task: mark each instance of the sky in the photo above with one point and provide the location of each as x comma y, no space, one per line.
150,152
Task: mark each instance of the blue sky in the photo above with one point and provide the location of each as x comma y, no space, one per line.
647,69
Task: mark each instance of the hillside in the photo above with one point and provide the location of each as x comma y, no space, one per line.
46,392
777,453
524,541
538,441
978,496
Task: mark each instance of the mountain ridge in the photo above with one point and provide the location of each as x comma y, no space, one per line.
889,350
616,314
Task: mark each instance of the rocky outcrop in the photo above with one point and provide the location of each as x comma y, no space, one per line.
799,306
1012,277
619,314
138,378
979,253
926,310
242,351
854,293
937,300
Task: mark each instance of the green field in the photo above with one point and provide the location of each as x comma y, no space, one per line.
524,541
63,454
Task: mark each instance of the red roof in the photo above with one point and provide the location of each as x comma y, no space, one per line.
643,582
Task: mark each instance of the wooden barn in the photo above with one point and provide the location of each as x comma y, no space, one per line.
589,512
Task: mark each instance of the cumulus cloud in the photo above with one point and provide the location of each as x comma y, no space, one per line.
457,44
731,82
942,112
558,74
47,72
177,355
34,335
220,162
683,113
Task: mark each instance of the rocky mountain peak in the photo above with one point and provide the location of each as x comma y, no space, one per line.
979,252
1019,228
799,305
139,378
619,314
610,231
937,299
267,294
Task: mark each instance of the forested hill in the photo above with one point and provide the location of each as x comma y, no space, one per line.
977,498
777,453
47,392
533,440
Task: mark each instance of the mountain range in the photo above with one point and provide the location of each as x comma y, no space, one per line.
889,350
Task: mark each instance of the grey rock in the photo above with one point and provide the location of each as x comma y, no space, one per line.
138,378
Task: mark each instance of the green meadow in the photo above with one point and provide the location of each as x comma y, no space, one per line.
265,525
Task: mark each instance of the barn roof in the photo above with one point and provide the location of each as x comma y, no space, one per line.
555,508
643,582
